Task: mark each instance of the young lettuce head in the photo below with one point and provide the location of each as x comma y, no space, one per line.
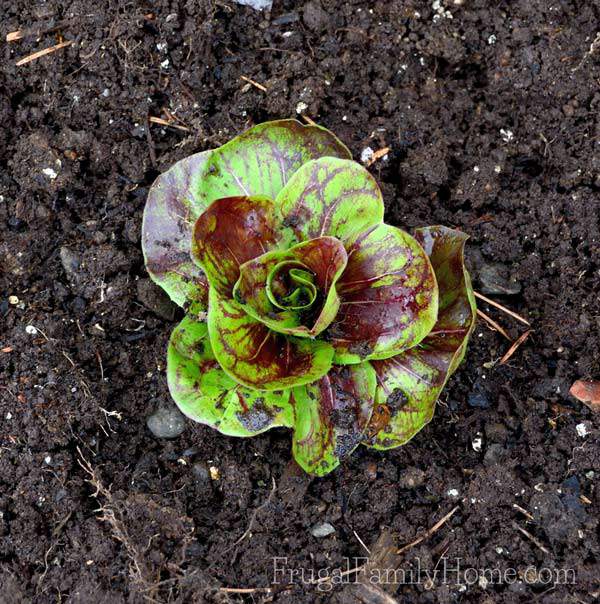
303,308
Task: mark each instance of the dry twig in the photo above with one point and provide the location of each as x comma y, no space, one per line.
495,326
253,83
161,122
361,542
523,511
245,590
514,346
378,155
308,120
13,36
429,532
533,539
43,52
502,308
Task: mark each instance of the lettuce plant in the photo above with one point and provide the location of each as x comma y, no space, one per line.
303,308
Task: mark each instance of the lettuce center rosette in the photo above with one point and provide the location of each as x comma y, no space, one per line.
303,308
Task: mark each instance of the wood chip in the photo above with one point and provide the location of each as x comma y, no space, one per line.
255,84
42,53
495,326
588,392
378,155
13,36
7,349
514,347
514,315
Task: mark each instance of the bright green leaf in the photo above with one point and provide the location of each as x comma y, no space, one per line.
330,196
206,394
262,160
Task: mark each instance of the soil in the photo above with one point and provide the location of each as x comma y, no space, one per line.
491,114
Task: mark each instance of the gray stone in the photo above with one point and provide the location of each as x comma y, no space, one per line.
495,279
411,478
256,4
494,454
323,529
70,261
155,299
200,472
166,422
286,19
496,432
478,399
314,17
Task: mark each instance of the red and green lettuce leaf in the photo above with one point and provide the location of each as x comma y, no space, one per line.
294,291
206,394
260,161
389,297
232,231
259,357
409,384
331,416
330,196
171,210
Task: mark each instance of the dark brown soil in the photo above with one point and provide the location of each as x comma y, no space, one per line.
492,119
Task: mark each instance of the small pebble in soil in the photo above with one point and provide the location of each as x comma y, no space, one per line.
286,19
155,299
366,155
453,493
200,472
256,4
323,529
190,452
478,399
13,300
31,330
494,454
495,279
371,470
411,478
16,224
166,422
314,17
70,261
582,430
301,107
